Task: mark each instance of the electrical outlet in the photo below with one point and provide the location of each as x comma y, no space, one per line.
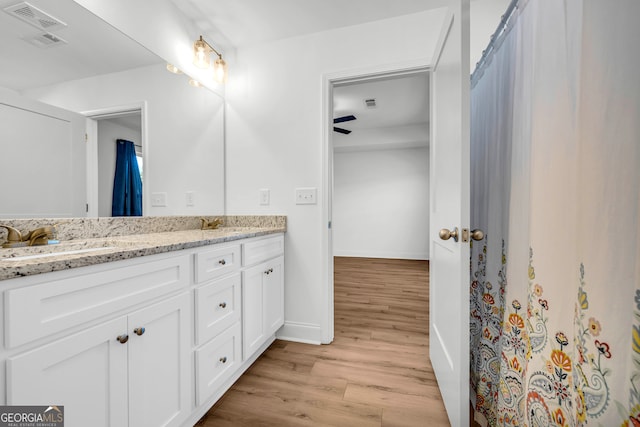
306,196
191,198
264,196
158,199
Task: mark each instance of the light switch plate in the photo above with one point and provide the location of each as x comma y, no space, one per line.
191,198
264,196
306,196
159,199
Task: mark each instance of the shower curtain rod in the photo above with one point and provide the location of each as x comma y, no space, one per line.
494,37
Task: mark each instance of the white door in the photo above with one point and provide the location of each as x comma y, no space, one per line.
449,276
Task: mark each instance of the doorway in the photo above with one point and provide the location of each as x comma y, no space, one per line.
104,127
381,164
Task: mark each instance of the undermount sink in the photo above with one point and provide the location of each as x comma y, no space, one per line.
68,251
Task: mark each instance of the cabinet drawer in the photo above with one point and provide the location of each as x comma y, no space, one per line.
260,250
218,306
38,311
216,362
216,262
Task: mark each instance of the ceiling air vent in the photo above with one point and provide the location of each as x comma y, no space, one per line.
34,16
45,40
370,103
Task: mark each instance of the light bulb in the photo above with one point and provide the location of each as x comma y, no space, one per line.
220,70
173,69
200,54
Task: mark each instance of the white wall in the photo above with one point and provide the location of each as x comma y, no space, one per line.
109,131
274,136
381,203
185,139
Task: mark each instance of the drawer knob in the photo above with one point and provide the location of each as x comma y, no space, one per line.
222,262
139,331
223,304
223,359
122,338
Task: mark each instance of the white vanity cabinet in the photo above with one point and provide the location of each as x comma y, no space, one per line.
144,342
131,370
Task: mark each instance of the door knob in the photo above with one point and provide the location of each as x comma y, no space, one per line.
446,234
477,234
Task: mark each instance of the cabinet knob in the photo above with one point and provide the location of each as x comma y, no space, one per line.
222,304
122,338
222,262
139,331
223,359
269,271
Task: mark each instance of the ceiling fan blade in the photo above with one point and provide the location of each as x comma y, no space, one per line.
340,130
344,119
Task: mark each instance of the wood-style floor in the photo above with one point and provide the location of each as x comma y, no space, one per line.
375,373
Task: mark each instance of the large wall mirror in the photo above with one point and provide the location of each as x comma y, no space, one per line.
69,91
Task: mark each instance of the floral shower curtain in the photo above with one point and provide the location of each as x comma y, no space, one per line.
555,284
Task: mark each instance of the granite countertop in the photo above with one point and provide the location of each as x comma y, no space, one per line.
29,261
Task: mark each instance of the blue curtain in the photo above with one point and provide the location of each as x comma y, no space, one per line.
127,184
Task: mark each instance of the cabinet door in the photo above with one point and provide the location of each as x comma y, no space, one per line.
86,372
274,295
253,331
262,303
159,364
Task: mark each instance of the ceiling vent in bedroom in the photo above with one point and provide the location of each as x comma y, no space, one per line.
34,16
370,103
45,40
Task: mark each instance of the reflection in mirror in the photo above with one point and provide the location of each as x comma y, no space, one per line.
94,68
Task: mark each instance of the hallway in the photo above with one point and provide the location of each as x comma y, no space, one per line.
375,373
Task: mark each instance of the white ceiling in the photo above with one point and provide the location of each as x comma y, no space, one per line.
247,22
93,48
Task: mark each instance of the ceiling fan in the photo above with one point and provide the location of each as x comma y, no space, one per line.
341,120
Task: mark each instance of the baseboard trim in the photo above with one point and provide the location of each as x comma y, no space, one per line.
300,332
421,256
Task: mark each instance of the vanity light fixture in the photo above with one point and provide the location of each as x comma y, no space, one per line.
201,52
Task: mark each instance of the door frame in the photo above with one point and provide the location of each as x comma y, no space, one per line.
92,151
329,80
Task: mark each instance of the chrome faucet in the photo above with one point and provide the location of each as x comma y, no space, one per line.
206,225
37,237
